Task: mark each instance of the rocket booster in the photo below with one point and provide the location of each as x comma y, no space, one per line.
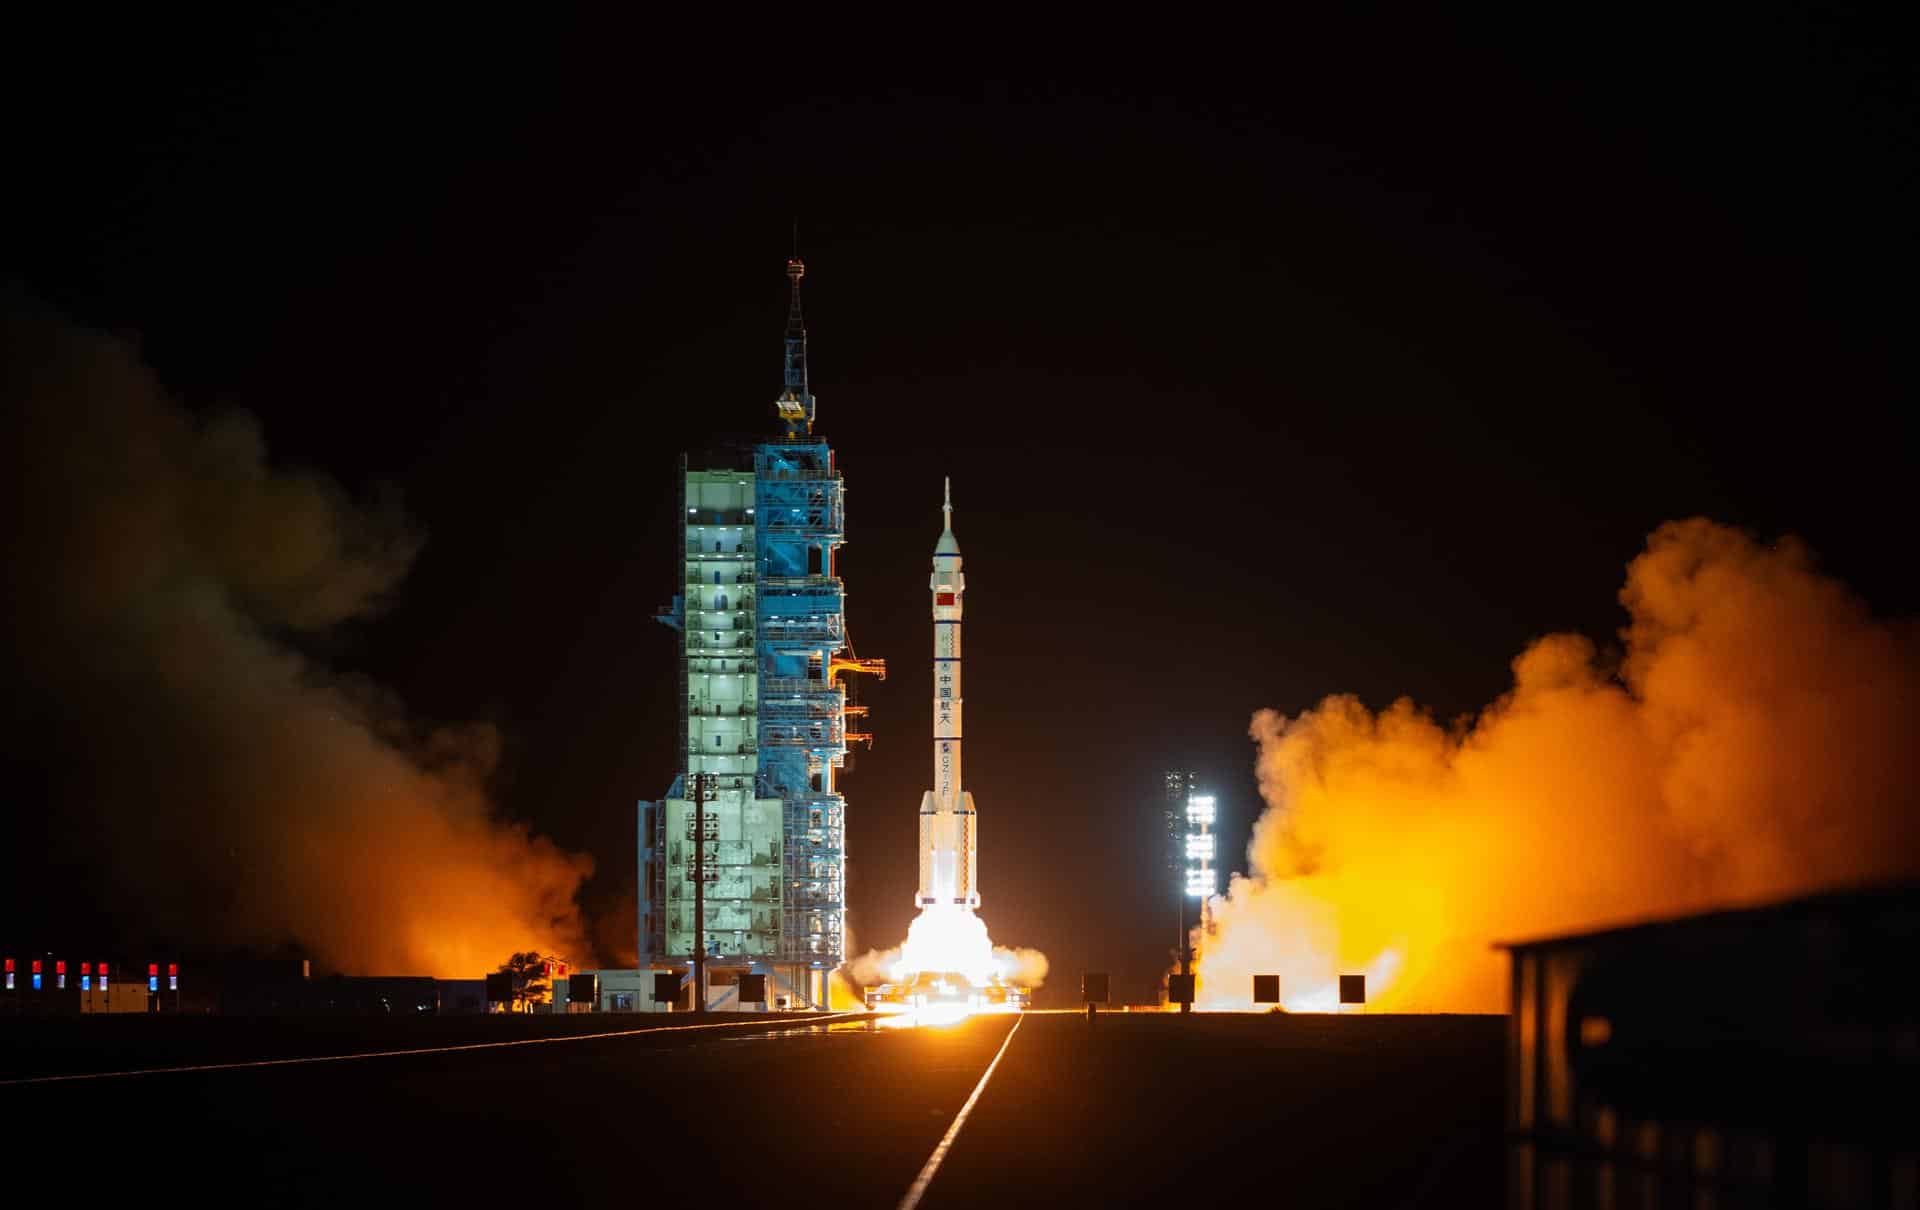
948,836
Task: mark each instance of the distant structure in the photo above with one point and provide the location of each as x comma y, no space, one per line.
763,643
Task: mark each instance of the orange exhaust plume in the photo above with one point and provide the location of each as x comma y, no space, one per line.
169,590
1755,741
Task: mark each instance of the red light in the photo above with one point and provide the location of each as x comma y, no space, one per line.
103,968
59,968
86,968
153,968
173,969
9,966
36,966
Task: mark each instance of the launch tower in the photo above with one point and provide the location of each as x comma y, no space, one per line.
763,643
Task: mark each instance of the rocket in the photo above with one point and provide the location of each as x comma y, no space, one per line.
948,835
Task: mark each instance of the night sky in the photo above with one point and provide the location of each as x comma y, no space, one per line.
1265,367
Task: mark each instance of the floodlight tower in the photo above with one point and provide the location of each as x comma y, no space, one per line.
1189,816
1202,881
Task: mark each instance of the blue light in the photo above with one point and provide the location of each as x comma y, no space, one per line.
153,983
36,982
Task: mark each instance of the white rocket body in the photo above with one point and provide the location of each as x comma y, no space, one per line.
948,835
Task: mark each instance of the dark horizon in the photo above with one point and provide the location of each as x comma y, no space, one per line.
1257,383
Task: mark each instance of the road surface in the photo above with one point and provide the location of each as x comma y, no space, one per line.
1132,1110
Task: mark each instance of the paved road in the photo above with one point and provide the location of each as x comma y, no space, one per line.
1300,1111
1318,1111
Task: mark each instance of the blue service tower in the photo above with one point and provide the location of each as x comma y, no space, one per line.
763,712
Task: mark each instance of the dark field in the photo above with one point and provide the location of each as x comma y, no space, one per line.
73,1045
1134,1110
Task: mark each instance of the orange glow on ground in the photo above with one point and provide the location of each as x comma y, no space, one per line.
899,1016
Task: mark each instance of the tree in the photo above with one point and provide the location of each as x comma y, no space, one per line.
529,971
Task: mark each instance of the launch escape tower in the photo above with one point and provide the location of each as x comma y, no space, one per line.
763,642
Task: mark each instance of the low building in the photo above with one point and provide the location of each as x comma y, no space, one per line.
632,991
116,998
38,982
373,996
1763,1056
625,991
462,997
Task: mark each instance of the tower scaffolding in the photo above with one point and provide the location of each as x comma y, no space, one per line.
763,641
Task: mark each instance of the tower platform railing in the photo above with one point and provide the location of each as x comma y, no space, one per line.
827,631
822,736
773,686
802,584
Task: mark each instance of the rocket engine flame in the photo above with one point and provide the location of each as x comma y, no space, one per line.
1754,742
949,942
952,939
947,939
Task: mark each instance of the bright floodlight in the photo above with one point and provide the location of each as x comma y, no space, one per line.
1200,881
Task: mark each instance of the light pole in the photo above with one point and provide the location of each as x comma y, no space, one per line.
1179,788
1185,950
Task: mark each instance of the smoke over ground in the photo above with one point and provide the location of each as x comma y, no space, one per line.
1755,740
220,785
